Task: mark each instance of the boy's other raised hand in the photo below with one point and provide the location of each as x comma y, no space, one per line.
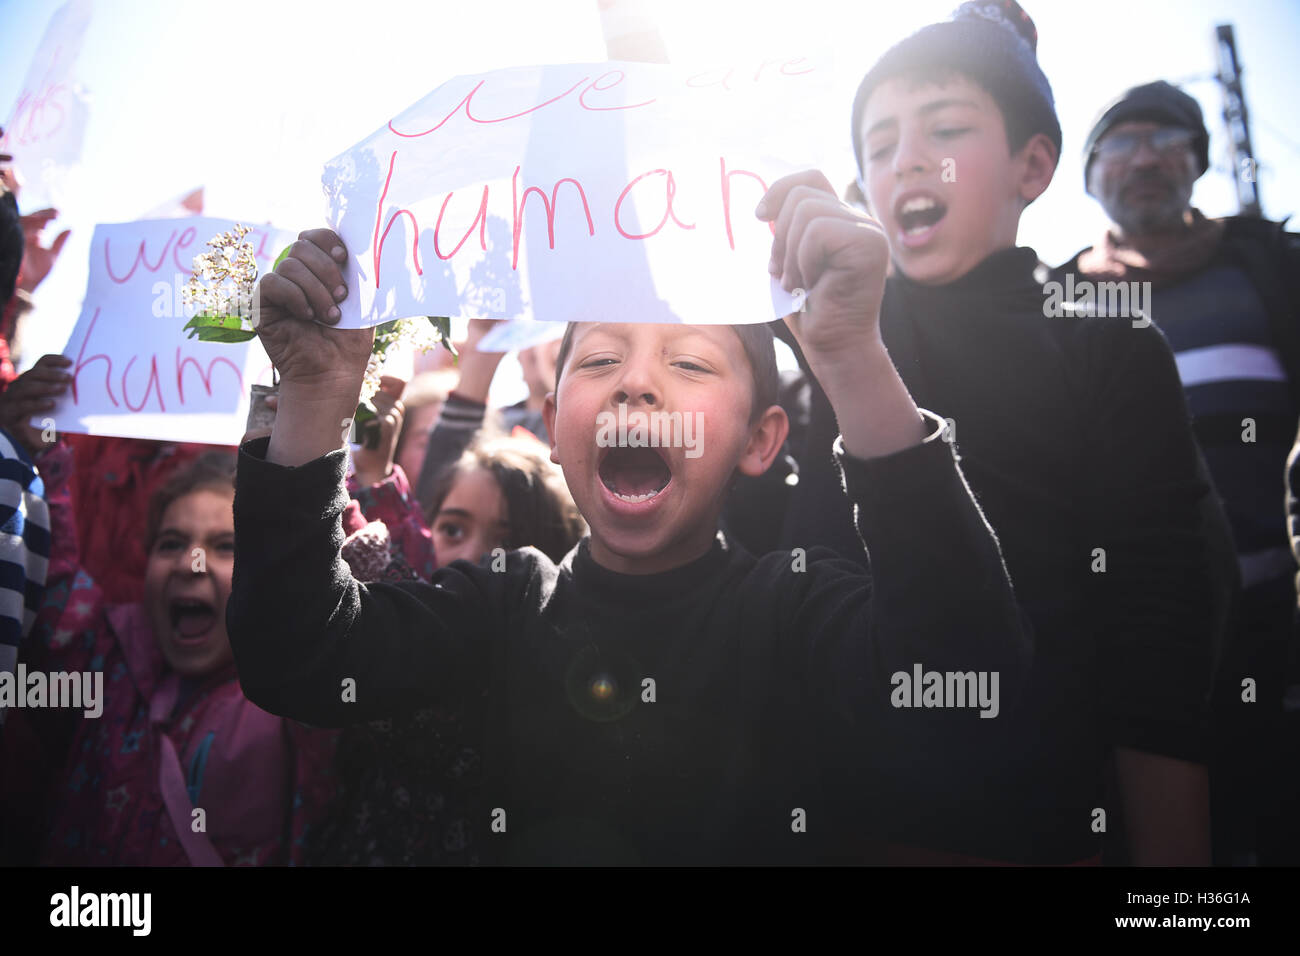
836,254
293,309
839,257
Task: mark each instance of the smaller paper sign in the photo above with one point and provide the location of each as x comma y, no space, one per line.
136,372
611,192
519,334
47,125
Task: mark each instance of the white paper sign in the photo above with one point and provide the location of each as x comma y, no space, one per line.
582,192
46,127
137,375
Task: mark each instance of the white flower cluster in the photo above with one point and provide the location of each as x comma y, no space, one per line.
419,333
370,381
223,278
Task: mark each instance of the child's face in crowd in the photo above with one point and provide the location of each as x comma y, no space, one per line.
941,178
187,607
1148,188
473,519
702,373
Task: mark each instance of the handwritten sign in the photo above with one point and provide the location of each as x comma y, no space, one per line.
136,374
590,192
47,125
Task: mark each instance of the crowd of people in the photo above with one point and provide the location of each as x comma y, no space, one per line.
484,636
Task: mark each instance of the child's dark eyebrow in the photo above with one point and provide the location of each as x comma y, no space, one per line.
501,525
881,124
608,328
932,107
935,105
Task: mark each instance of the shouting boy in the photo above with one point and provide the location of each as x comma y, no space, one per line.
659,696
1076,441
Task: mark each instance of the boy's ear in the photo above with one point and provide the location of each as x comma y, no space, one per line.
548,416
765,441
1038,159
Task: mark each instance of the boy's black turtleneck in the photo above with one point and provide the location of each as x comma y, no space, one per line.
1074,436
767,673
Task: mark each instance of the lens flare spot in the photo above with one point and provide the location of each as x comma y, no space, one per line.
602,687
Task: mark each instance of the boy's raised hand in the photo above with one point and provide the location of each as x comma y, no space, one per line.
320,368
293,308
838,255
840,258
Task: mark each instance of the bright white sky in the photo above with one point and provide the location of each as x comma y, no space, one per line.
249,98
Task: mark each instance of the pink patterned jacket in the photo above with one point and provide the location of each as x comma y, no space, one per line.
173,772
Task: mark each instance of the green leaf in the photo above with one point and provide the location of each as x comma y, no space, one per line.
218,328
205,321
224,335
284,254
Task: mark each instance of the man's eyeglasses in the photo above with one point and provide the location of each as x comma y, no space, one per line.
1165,141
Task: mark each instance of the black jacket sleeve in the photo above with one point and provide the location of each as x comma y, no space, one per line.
294,611
938,594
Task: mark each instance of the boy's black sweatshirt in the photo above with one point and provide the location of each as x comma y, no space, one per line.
1074,435
684,717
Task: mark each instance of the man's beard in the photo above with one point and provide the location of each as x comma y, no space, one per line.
1158,215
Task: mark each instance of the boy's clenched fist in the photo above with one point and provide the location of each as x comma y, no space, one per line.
837,255
293,308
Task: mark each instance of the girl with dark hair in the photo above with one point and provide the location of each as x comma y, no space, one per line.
163,761
502,493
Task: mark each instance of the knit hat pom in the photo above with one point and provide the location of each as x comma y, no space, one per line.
991,42
1006,13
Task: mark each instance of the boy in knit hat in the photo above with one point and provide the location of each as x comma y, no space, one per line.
1074,435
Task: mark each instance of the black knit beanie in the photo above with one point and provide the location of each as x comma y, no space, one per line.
993,43
1157,102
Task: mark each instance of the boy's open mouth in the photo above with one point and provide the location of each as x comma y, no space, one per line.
917,214
191,618
634,474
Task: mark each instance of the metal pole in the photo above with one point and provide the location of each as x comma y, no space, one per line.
1245,170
